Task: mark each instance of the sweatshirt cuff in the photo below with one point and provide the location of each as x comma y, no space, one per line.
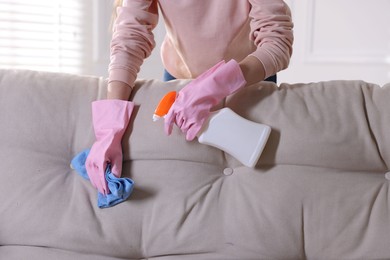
122,75
270,67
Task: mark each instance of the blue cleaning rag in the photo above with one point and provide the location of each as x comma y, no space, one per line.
120,188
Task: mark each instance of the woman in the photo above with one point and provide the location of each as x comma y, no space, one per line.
254,36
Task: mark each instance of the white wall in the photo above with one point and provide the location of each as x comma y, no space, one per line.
334,39
101,37
340,39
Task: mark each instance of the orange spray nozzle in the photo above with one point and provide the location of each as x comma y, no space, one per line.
164,105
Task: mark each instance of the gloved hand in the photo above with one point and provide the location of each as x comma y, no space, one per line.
110,119
194,102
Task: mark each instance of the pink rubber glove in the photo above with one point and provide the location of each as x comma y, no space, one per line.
110,120
194,102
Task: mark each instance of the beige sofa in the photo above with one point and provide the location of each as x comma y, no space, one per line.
318,191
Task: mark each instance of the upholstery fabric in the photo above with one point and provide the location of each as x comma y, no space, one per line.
317,192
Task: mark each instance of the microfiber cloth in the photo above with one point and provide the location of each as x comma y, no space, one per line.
120,188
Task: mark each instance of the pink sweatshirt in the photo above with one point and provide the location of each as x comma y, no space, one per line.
200,33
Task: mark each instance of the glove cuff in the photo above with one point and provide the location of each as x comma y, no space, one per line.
111,117
230,77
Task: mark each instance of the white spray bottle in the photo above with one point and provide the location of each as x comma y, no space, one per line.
243,139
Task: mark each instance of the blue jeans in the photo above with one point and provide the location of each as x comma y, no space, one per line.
168,77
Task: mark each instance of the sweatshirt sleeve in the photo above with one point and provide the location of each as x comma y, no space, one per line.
132,40
271,31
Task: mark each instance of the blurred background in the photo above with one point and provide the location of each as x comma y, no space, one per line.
334,39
